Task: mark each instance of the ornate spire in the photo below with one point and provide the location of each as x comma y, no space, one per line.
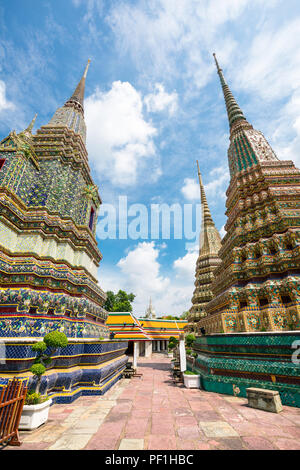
30,127
206,215
209,236
78,95
208,259
248,146
233,110
150,312
71,115
27,133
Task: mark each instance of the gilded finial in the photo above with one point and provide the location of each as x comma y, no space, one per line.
217,64
86,68
199,174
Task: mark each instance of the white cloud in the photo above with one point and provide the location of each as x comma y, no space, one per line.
191,189
219,183
185,266
141,268
271,72
160,100
172,32
222,231
271,68
5,105
119,138
214,189
139,272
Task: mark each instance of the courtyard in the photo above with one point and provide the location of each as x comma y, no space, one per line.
152,413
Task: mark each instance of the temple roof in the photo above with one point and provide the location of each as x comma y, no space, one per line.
126,326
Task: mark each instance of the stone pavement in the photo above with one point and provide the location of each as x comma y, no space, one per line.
152,413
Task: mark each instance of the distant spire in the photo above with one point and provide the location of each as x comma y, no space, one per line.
150,312
78,95
30,127
233,110
206,215
27,133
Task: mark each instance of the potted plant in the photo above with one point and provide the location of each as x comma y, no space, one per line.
173,363
171,346
191,379
36,408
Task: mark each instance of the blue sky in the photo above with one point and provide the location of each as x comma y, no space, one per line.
154,106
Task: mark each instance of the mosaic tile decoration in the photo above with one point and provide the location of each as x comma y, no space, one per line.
258,279
79,369
231,362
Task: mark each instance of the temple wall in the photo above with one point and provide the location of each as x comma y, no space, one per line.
84,367
230,363
45,247
273,318
26,325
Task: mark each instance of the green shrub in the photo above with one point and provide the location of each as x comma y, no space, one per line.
189,339
189,352
38,369
174,340
41,346
189,372
172,346
56,339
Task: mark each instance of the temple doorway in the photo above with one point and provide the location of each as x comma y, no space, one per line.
129,350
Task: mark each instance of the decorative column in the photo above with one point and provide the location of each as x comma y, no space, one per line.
158,345
182,354
148,348
135,354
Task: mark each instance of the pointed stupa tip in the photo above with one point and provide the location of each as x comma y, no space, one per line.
217,64
86,68
233,110
205,209
78,94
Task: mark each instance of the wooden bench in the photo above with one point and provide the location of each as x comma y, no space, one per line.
130,372
267,400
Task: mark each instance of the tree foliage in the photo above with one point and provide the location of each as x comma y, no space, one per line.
120,302
189,339
184,315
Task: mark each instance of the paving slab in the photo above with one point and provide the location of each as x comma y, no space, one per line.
217,429
131,444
